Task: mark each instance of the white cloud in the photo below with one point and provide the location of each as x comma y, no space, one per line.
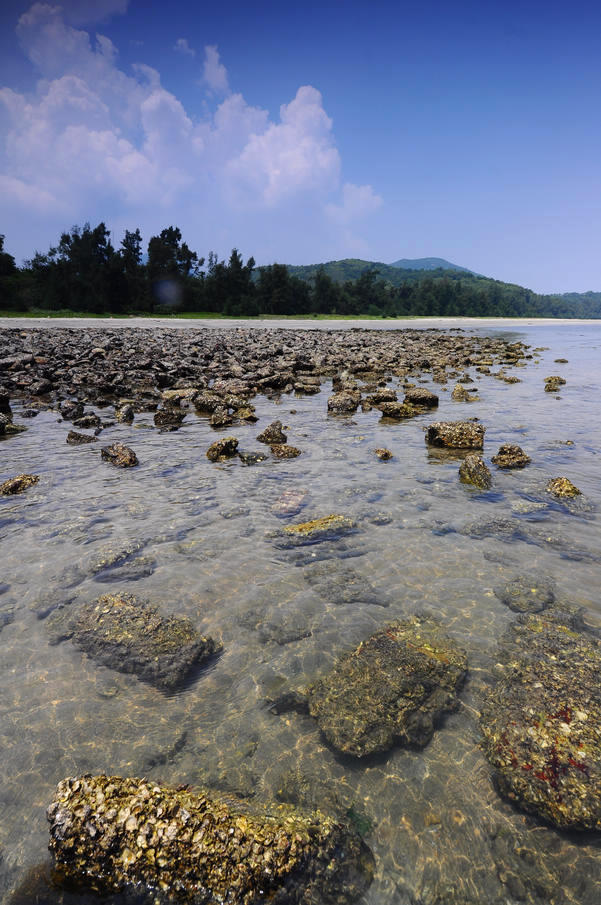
85,12
214,72
182,46
95,138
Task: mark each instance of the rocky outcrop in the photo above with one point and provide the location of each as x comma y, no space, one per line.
542,722
474,470
455,434
510,456
18,484
273,433
130,636
120,455
170,417
222,449
392,689
132,835
125,413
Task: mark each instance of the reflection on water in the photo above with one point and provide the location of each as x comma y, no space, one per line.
199,540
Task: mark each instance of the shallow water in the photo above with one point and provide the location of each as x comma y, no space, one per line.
439,832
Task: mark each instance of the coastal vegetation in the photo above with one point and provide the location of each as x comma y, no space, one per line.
85,273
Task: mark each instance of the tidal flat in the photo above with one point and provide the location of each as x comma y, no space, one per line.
288,567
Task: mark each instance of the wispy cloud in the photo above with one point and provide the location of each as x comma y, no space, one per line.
214,72
182,46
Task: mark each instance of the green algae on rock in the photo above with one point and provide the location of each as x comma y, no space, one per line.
390,690
131,636
473,470
542,721
327,527
111,834
455,434
18,484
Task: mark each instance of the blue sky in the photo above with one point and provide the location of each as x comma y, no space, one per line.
309,132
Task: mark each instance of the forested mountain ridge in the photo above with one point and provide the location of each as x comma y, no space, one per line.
428,264
85,273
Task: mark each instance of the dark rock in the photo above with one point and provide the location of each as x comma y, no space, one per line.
542,722
5,408
392,689
205,849
29,413
384,395
222,449
527,594
344,402
86,421
473,470
273,433
284,451
552,384
510,456
221,417
397,410
41,388
76,439
207,401
169,417
562,488
455,434
71,410
251,458
125,414
134,570
120,455
4,421
131,636
18,484
421,396
383,453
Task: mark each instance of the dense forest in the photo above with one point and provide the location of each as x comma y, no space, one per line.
85,273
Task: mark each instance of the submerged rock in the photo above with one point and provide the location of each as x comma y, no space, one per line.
383,453
392,689
455,434
125,835
542,722
474,470
421,396
563,487
552,384
527,594
318,529
510,456
18,484
340,585
273,433
284,451
120,455
131,636
289,503
222,449
251,458
74,438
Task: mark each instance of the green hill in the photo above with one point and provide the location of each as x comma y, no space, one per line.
428,264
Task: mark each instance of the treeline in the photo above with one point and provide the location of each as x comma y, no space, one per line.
85,273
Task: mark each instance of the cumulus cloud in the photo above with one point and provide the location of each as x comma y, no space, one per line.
182,46
214,72
93,137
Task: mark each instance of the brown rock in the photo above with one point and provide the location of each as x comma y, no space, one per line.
18,484
383,453
76,439
284,451
473,470
273,433
222,449
421,396
563,487
455,434
510,456
119,454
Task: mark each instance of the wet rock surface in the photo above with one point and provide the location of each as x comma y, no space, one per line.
397,410
74,438
222,449
284,451
563,488
527,593
542,722
421,396
474,470
113,834
455,435
392,689
120,455
131,636
510,456
19,484
273,433
326,528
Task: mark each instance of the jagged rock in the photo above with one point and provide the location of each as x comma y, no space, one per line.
344,402
542,722
273,433
510,456
131,636
527,594
284,451
383,453
460,394
221,417
76,439
119,454
222,449
473,470
392,689
205,849
87,421
455,434
309,389
421,396
289,503
71,410
18,484
397,410
4,421
41,388
125,414
563,487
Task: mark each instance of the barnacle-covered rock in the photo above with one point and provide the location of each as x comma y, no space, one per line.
542,722
119,454
390,690
421,396
131,636
273,433
125,413
474,470
455,434
510,456
563,487
74,438
284,451
18,484
222,449
397,410
344,402
123,835
170,417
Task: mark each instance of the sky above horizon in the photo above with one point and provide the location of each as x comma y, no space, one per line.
311,132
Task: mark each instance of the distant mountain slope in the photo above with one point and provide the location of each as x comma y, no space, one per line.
352,268
428,264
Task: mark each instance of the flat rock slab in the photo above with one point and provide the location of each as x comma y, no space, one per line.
542,722
455,434
327,528
131,636
390,690
124,835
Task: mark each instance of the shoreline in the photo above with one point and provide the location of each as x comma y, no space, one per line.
416,323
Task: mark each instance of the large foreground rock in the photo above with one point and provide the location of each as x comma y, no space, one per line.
455,434
390,690
131,636
542,722
18,484
125,835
